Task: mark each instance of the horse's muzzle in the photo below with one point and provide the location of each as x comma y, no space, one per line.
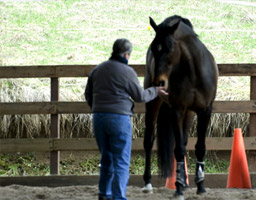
160,83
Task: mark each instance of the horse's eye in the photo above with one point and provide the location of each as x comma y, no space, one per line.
159,47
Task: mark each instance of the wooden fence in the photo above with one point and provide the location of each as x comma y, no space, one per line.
55,144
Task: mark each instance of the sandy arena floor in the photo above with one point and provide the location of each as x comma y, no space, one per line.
17,192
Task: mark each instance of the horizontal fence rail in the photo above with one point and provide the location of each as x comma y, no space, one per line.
55,144
59,107
56,71
89,144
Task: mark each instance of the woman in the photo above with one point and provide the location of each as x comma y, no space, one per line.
111,87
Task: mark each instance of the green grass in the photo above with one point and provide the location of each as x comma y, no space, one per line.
21,164
82,32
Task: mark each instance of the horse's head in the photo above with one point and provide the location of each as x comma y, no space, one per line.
165,51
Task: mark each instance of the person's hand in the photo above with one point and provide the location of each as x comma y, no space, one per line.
161,91
163,94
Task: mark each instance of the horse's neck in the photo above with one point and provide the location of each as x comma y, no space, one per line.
188,57
199,60
150,69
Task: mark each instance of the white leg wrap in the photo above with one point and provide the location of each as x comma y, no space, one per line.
147,188
199,176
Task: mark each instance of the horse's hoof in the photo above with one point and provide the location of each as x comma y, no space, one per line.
178,197
201,192
200,188
148,188
186,187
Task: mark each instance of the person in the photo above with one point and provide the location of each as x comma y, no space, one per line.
110,89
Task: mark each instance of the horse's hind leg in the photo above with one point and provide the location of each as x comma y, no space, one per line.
203,121
152,108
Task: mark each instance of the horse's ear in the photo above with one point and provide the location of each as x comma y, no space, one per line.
186,21
173,27
153,24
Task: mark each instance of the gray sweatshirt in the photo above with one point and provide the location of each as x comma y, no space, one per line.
113,86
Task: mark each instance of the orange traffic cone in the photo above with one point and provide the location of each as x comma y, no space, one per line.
238,176
170,181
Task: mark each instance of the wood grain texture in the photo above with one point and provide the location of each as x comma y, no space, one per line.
89,144
56,107
55,71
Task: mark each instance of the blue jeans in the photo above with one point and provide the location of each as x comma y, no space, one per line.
113,133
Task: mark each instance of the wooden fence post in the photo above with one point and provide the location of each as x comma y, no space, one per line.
252,126
55,128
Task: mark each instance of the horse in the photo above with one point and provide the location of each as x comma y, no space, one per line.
179,61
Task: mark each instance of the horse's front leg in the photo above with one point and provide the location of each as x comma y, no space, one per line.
152,109
178,116
187,123
203,121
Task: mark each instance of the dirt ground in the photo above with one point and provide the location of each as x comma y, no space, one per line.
18,192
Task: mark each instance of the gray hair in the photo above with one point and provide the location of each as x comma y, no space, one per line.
122,46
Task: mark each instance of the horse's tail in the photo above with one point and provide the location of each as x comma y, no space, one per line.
165,141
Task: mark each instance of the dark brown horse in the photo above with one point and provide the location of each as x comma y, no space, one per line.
178,60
